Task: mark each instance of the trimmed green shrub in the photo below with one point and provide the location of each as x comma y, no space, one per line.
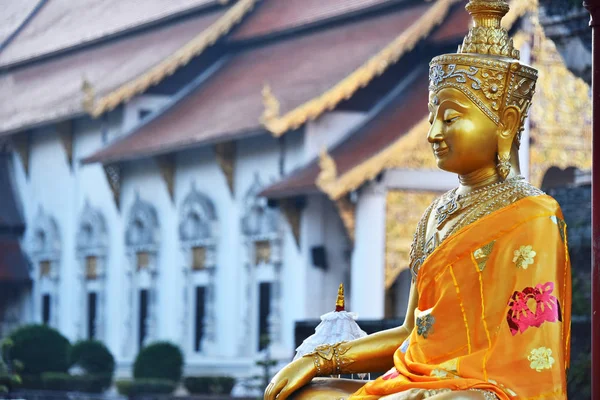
93,356
40,349
160,360
33,382
56,381
89,383
9,382
145,386
152,386
9,377
98,363
209,384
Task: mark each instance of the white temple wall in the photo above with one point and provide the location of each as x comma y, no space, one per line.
368,257
328,130
142,178
339,249
313,228
50,189
260,155
323,227
64,192
93,188
199,168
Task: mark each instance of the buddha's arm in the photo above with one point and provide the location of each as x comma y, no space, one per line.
374,353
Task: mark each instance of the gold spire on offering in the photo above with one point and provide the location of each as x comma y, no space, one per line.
340,303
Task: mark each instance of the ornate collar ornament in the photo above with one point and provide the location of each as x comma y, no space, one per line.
473,206
486,66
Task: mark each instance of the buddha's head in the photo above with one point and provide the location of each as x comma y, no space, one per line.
479,97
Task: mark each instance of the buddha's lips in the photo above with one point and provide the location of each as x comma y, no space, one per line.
439,151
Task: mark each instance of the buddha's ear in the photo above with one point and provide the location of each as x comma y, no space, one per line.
507,129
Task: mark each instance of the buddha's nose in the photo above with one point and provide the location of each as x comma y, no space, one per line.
435,132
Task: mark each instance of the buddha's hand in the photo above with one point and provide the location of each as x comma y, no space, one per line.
291,378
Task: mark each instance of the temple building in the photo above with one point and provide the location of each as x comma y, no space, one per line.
208,171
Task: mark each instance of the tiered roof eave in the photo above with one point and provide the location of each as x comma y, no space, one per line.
75,81
419,20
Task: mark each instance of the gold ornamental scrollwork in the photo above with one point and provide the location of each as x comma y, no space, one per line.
403,212
560,123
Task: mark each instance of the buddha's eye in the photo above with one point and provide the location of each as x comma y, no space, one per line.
449,121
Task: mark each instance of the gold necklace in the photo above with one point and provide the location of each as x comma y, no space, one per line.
488,199
455,202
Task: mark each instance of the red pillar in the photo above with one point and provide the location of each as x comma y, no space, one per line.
593,6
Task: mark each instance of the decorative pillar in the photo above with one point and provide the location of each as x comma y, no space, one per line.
261,231
128,340
142,241
367,284
246,349
198,229
593,6
44,246
186,296
209,337
153,297
91,243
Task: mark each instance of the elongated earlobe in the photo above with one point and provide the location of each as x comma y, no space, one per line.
507,130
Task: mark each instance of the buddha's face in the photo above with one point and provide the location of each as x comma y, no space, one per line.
463,138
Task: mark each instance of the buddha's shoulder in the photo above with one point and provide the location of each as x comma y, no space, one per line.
523,189
534,199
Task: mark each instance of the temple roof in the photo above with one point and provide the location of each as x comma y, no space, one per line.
49,91
14,14
63,24
298,70
276,16
389,121
391,137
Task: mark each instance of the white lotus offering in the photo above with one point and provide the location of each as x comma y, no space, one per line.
336,326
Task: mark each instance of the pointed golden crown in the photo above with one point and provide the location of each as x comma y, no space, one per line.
486,67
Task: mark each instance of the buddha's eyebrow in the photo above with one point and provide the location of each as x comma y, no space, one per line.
454,102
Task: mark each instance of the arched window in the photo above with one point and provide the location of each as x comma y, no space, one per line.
198,236
142,243
261,232
45,253
92,247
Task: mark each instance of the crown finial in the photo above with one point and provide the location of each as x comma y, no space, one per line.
340,303
487,35
487,13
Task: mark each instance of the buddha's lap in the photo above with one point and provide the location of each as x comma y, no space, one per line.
327,389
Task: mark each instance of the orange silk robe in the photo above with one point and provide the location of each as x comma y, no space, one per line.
494,310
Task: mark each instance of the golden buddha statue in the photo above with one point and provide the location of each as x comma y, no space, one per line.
489,307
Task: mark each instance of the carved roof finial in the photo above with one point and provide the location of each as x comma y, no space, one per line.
89,95
271,105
